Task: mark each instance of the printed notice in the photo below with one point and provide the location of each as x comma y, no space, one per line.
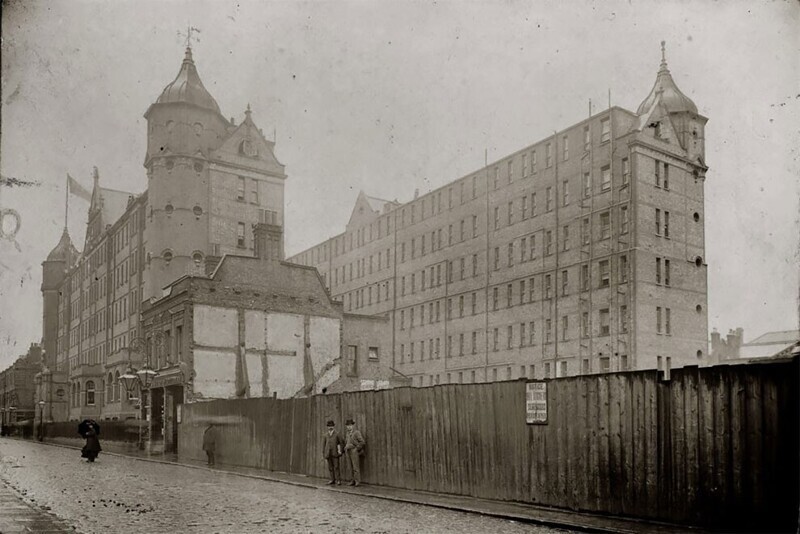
536,403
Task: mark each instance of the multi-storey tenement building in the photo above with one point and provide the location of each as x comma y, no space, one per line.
581,253
208,181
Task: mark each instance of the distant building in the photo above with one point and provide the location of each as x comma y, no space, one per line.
778,344
581,253
208,181
256,327
17,399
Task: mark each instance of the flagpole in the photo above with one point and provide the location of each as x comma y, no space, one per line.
66,203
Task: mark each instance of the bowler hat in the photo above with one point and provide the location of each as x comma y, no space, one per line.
330,423
349,422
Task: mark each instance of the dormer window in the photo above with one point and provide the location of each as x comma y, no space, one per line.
248,148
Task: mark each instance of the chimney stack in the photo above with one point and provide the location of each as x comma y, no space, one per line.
733,344
268,240
716,343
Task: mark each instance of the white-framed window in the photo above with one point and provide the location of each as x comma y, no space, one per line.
605,328
605,130
605,270
605,175
605,225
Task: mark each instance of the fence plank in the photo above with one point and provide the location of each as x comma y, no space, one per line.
729,432
754,423
677,472
708,495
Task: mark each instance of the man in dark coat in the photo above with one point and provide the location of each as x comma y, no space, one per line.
210,443
89,429
353,449
332,445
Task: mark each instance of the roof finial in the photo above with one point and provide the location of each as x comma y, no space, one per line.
247,111
190,30
663,53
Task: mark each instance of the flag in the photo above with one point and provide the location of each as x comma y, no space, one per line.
77,189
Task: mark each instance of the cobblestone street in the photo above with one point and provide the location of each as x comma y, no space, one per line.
120,494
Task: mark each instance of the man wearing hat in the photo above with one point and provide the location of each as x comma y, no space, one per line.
332,444
353,448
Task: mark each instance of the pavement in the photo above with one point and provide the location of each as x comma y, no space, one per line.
400,513
18,516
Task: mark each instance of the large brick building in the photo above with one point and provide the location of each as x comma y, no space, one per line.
581,253
208,181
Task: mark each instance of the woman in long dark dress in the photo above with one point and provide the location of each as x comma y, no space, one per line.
89,429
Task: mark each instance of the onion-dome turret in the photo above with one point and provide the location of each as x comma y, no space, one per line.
188,88
64,250
665,89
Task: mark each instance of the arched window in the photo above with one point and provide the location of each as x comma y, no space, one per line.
116,386
110,388
77,393
90,393
72,394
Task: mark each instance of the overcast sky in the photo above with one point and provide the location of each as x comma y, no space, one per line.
390,97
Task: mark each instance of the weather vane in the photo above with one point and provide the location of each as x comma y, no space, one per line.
188,35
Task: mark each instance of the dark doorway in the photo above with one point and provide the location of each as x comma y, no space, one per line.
172,401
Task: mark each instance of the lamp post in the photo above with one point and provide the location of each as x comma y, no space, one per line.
140,379
41,420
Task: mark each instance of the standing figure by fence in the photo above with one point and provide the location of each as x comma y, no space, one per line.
332,445
89,430
210,443
354,447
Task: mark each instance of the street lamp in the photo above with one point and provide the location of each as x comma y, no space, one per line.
140,379
41,420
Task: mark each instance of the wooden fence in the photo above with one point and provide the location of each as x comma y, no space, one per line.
716,447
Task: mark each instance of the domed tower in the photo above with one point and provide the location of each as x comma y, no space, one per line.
183,127
687,124
54,270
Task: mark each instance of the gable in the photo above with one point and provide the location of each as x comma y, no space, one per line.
362,213
656,123
246,146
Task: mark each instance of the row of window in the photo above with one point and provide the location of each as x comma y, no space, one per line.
115,243
527,248
431,204
432,278
113,392
518,336
98,287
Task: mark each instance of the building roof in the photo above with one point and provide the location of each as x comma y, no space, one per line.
782,336
64,250
666,92
378,204
114,204
188,88
769,344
